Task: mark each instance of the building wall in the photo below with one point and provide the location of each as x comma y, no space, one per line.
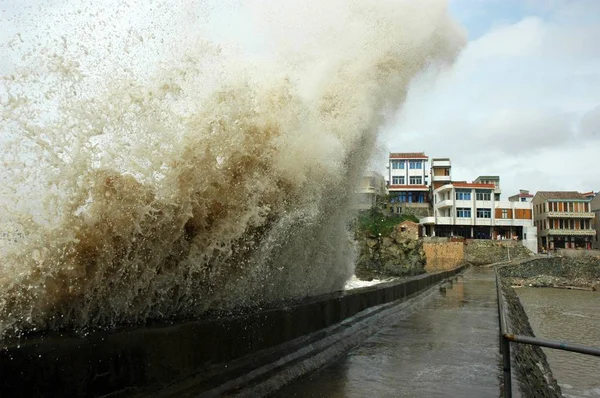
443,255
595,207
556,218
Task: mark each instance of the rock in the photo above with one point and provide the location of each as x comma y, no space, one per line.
372,242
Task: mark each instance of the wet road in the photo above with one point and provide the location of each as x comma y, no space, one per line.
449,348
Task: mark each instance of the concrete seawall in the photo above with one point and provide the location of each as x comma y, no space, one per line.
530,365
148,358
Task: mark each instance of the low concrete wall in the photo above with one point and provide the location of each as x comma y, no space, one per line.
577,253
149,358
529,363
443,255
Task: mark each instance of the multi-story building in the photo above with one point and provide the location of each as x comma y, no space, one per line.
595,207
408,186
494,180
522,196
589,195
472,210
440,172
563,219
370,191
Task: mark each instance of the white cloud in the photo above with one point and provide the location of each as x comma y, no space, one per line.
522,101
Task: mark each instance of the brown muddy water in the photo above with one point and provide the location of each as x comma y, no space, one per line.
573,316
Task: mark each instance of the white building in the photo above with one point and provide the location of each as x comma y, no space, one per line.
475,211
441,175
408,185
522,196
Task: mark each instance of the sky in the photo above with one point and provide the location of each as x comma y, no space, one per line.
522,100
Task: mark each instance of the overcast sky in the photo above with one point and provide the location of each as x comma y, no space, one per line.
522,101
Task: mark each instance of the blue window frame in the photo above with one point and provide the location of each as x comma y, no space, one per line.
463,212
416,164
463,194
484,213
398,180
397,164
416,180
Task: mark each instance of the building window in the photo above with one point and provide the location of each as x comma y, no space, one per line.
463,212
484,213
463,194
415,164
504,213
398,180
397,164
523,199
416,180
483,195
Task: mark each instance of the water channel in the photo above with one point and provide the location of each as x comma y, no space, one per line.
568,315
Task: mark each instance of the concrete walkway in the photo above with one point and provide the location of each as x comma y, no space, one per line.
447,349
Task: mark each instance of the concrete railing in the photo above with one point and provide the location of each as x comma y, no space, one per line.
149,358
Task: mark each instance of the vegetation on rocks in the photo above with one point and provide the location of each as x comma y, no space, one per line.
383,250
374,222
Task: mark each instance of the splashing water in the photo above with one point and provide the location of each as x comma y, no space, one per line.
157,165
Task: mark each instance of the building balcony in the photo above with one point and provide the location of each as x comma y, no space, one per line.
427,220
399,188
444,203
444,220
571,232
440,163
463,221
569,214
517,222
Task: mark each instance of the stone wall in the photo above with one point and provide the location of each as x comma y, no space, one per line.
443,255
480,252
579,272
578,253
529,362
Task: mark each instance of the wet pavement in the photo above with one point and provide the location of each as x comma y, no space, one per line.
449,348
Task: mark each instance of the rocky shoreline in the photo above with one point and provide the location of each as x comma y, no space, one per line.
395,255
582,273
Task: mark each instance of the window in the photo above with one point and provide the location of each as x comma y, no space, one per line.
416,180
463,212
523,199
481,194
397,164
416,164
484,213
504,213
463,194
398,180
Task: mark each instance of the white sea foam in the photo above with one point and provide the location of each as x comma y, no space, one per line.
152,173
